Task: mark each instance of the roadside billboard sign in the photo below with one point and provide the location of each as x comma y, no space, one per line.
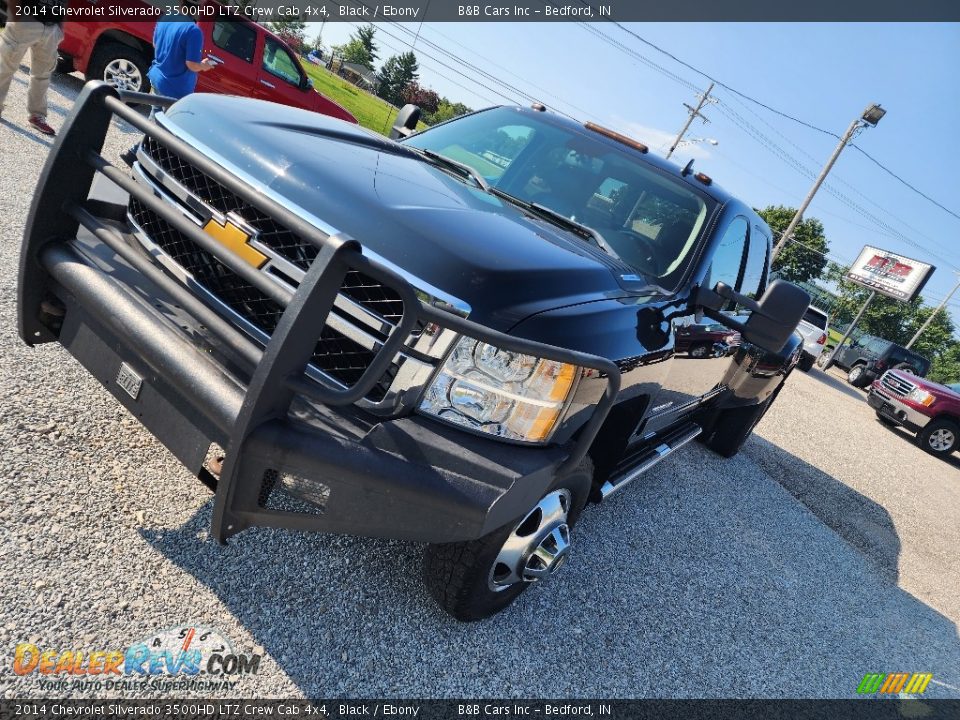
890,274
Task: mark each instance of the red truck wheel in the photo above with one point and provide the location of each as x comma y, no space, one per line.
121,66
940,437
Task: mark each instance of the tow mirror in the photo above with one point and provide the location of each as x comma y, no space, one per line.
406,123
772,320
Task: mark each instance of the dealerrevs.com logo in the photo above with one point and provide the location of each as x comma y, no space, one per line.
894,683
182,658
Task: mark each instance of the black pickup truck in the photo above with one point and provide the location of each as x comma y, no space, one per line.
458,338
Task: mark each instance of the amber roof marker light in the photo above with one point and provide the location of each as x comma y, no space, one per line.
619,137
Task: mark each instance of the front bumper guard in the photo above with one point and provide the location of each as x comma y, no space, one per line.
408,478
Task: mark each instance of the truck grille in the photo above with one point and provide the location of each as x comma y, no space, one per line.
896,384
335,354
366,291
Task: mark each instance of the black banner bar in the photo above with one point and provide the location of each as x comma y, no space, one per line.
524,11
872,709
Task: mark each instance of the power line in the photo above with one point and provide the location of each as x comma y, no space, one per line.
894,175
781,113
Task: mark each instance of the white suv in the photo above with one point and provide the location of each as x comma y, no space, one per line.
813,327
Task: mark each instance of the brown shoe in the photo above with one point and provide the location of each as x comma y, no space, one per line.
40,124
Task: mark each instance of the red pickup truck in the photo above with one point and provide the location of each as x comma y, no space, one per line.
929,409
253,62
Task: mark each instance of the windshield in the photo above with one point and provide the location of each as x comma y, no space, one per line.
649,219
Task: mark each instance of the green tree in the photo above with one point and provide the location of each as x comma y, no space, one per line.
365,36
397,72
804,259
360,48
292,32
446,110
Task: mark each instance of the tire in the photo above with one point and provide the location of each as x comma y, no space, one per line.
806,362
858,376
940,437
824,356
700,351
461,576
121,66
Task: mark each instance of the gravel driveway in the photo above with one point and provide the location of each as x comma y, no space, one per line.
826,550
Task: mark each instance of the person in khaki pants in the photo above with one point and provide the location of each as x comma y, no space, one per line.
41,37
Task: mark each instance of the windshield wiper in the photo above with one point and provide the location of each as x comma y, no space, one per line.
460,168
559,219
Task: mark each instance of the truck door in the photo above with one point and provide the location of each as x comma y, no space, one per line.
281,79
234,46
740,261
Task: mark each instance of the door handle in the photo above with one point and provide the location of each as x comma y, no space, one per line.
268,84
215,58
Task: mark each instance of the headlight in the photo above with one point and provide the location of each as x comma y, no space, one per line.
922,397
506,394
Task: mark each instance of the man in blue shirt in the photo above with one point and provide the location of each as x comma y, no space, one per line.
177,58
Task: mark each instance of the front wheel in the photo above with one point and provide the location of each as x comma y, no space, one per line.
939,437
700,351
475,579
858,376
824,357
120,66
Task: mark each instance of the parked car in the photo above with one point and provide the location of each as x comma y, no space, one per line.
431,348
700,341
929,409
252,61
868,357
813,328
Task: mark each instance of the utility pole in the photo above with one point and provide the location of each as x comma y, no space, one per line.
929,320
693,112
829,363
871,116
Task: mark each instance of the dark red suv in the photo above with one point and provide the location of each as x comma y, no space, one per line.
929,409
252,61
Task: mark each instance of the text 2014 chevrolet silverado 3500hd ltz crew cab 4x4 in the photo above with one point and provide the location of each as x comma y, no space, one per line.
459,338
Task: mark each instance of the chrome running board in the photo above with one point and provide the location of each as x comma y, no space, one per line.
658,453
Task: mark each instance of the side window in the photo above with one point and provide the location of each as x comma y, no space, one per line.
755,273
236,38
727,264
277,61
878,346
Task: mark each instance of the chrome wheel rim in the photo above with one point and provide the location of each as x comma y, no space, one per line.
699,351
537,547
941,440
122,74
855,374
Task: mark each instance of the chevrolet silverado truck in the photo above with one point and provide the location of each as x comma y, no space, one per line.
929,409
459,338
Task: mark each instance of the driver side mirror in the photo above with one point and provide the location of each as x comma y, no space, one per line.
406,123
772,320
306,82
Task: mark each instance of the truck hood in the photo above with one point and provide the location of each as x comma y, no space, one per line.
455,240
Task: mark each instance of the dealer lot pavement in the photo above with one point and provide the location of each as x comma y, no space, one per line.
707,578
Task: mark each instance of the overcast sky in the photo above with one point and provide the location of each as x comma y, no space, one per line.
824,74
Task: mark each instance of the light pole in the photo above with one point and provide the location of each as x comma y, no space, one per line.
871,116
692,112
929,320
